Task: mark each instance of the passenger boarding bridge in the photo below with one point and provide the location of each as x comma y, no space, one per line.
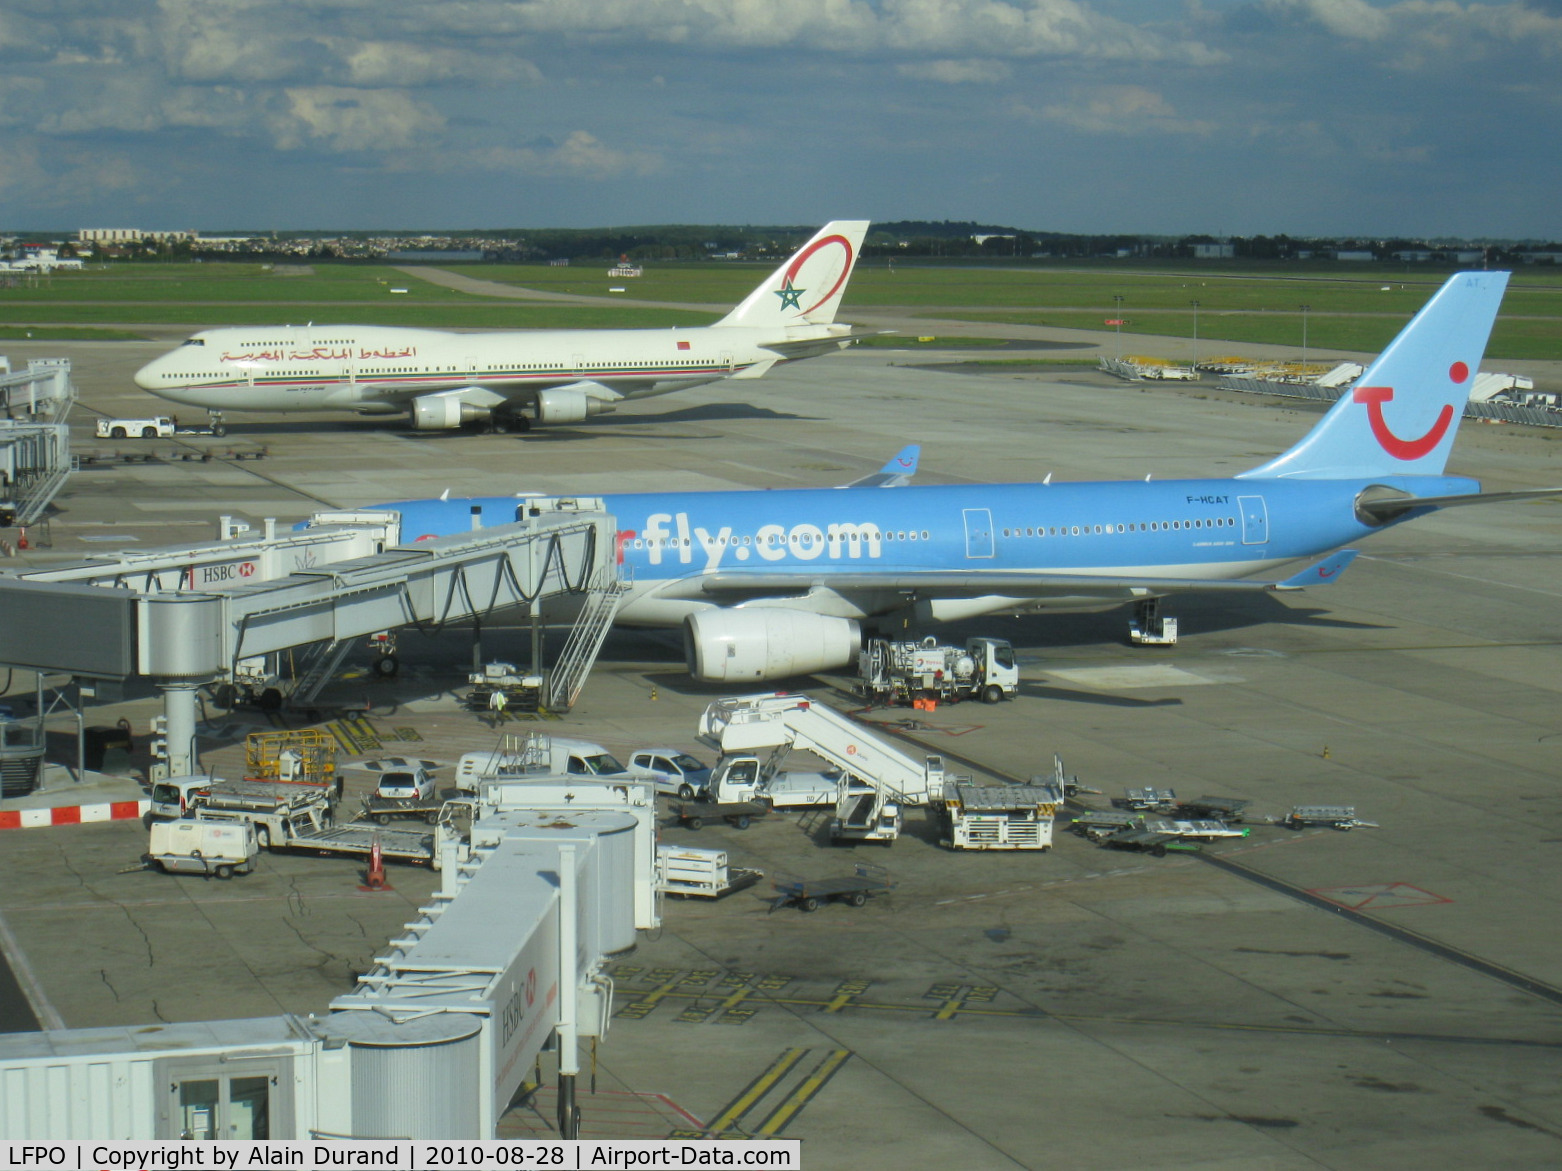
186,616
437,1039
35,454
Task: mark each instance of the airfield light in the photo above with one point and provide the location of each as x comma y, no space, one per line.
1304,309
1117,316
1195,333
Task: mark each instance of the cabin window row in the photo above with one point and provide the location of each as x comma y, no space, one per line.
1154,526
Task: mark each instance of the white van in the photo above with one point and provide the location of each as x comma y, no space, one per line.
175,796
192,845
536,757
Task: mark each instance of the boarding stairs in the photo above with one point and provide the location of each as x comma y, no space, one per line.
785,722
35,457
320,666
585,640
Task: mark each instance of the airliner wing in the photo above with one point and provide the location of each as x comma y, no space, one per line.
959,583
897,472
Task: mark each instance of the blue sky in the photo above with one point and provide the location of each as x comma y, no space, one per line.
1313,117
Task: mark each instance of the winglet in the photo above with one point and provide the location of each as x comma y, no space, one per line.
897,472
1324,572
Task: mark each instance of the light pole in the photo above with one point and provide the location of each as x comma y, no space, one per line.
1304,308
1195,335
1117,316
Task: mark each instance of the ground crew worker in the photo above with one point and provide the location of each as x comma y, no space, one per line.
496,703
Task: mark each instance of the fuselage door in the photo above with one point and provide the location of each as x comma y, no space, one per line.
1255,520
726,361
979,533
578,364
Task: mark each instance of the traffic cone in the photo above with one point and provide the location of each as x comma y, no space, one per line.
375,880
21,538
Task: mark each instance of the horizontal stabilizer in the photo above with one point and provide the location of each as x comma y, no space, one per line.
1325,572
897,472
1382,508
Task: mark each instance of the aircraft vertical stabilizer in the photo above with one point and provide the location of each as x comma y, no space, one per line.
807,289
1401,416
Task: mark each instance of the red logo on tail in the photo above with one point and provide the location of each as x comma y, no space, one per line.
797,263
1407,449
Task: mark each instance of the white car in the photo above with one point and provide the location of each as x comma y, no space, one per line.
410,781
669,771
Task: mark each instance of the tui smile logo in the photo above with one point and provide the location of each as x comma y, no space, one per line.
1406,449
791,295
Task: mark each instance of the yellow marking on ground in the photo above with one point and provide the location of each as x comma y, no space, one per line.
804,1093
757,1089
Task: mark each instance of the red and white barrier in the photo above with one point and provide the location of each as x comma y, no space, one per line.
72,814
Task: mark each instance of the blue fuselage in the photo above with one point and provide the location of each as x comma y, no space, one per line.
1217,529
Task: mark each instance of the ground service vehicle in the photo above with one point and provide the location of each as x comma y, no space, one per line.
192,845
382,810
900,672
854,890
670,771
878,781
540,755
157,427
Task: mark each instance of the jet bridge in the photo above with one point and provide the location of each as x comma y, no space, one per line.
185,616
35,454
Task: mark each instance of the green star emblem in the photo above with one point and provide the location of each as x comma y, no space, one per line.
791,296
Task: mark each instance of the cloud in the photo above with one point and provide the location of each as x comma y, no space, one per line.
1118,109
1014,28
979,70
579,156
350,120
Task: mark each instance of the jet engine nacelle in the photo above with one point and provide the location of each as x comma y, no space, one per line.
739,646
567,406
445,412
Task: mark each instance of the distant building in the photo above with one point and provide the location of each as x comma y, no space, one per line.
1413,257
1353,254
128,236
1214,251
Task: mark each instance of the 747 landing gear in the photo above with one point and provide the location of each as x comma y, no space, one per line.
502,422
218,427
1148,628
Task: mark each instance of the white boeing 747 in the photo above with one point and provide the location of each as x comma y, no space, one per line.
443,380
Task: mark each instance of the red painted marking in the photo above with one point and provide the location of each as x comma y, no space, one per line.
1379,895
797,263
124,810
905,463
1458,372
1326,571
425,537
247,569
10,819
65,815
1407,449
618,543
683,345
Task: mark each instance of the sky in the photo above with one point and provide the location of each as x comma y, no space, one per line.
1368,118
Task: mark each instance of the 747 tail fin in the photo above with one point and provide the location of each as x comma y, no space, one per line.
807,289
1401,416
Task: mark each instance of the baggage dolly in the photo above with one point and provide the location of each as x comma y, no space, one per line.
853,890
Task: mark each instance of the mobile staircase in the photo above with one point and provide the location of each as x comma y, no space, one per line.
585,640
878,781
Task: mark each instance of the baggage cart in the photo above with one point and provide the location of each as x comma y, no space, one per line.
854,890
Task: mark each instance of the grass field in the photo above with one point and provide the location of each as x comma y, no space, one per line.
1349,308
